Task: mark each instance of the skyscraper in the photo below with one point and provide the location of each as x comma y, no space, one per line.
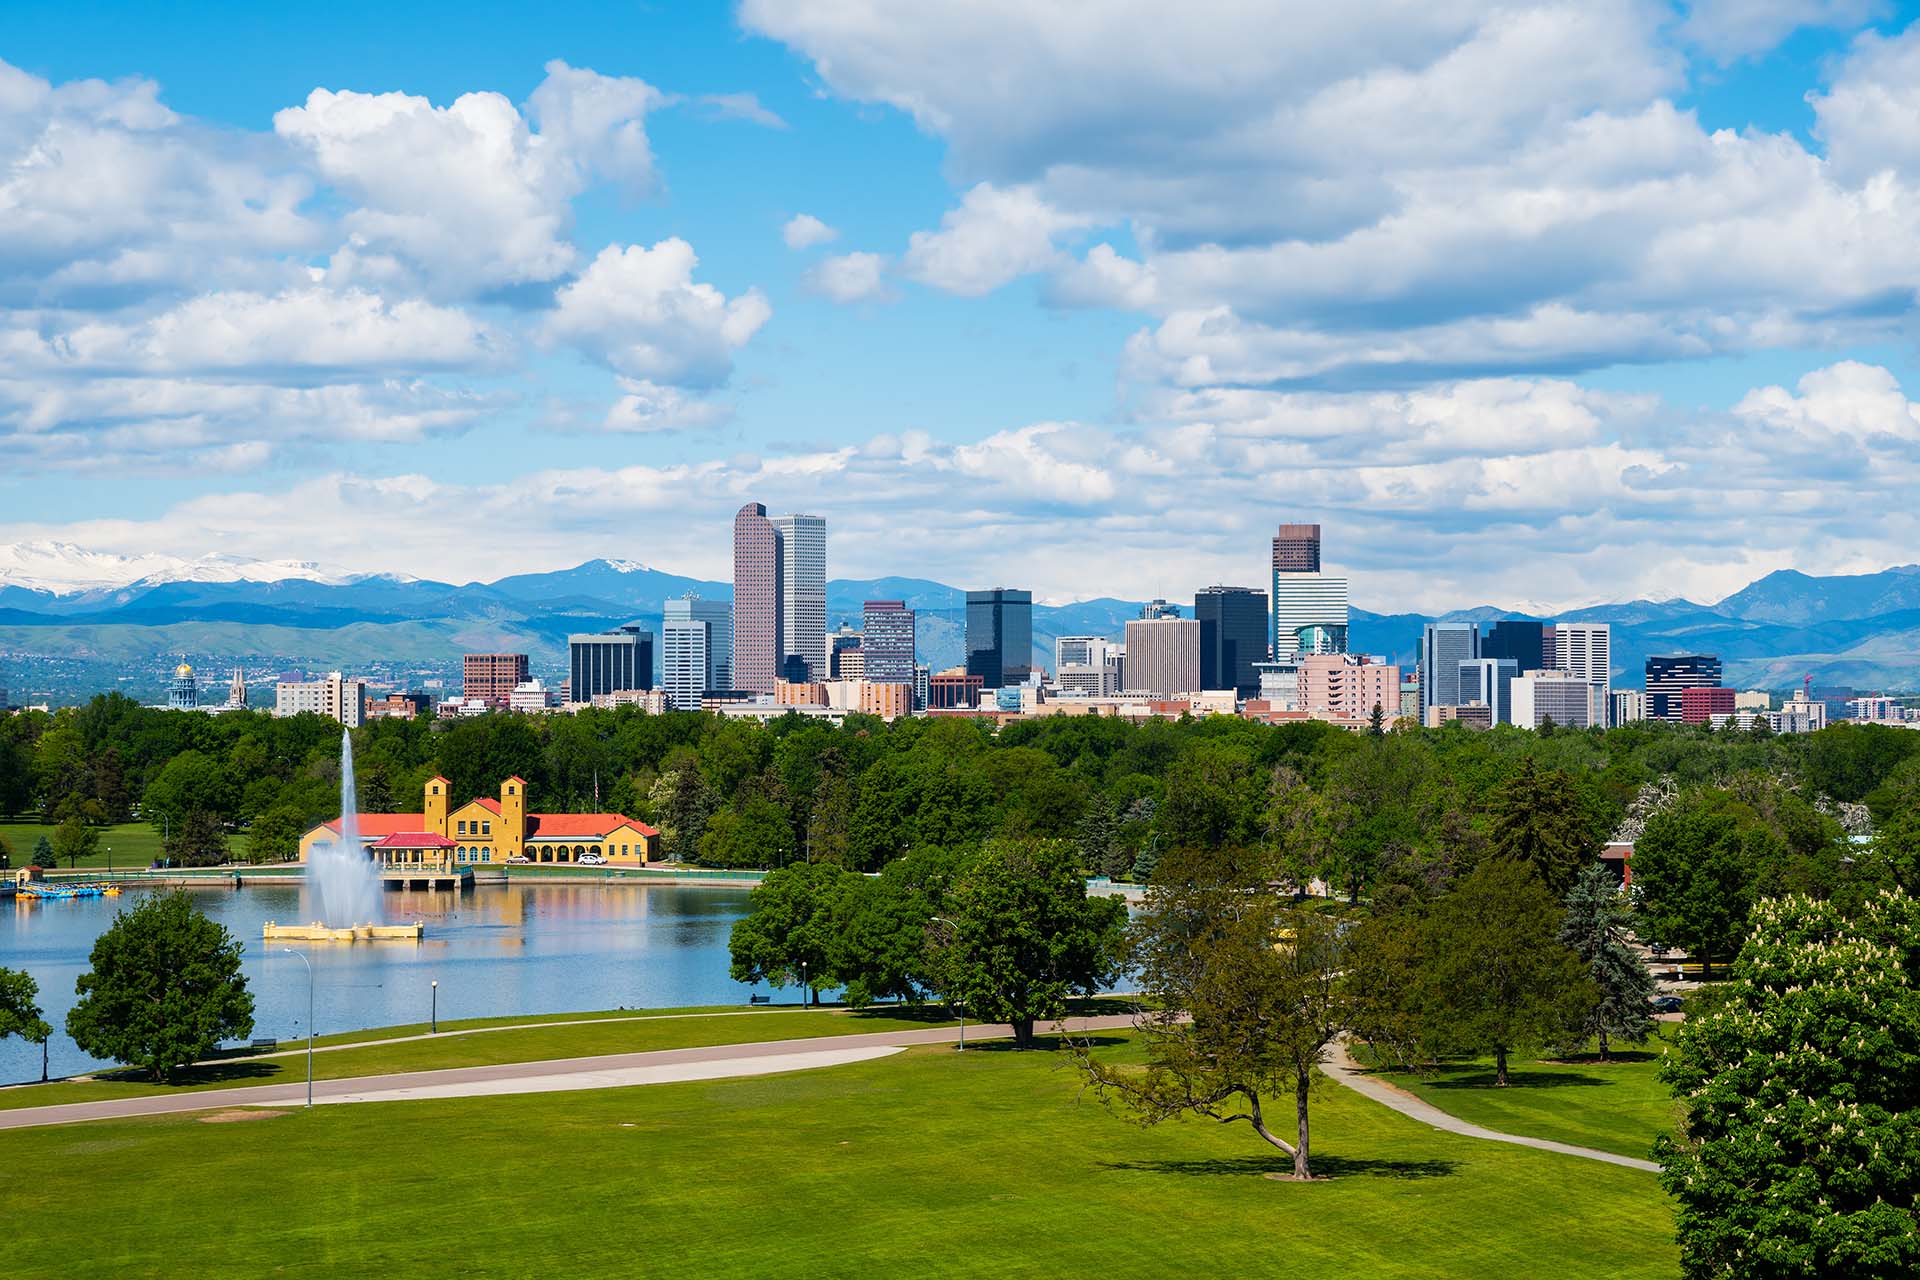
1163,655
609,662
1309,607
1489,680
1521,639
492,677
756,600
1000,636
1233,636
696,652
887,628
803,591
1584,650
1670,675
1443,647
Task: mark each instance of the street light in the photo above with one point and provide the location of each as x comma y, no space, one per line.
303,960
957,1008
436,1006
803,984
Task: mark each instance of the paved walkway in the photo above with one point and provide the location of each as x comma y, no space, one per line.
706,1062
1341,1066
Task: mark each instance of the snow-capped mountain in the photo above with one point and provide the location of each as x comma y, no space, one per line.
63,569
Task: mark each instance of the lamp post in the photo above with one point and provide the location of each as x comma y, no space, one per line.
436,1006
303,960
803,984
957,1008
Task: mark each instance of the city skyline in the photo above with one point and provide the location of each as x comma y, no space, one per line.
724,250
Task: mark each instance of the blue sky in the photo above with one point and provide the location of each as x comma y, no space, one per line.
1538,304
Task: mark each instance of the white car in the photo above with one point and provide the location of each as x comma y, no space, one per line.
521,859
592,860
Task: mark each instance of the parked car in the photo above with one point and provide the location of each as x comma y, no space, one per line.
1668,1004
1658,948
593,860
520,858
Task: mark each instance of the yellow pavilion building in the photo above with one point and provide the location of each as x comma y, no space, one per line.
485,831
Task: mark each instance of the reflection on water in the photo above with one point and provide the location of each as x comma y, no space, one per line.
545,948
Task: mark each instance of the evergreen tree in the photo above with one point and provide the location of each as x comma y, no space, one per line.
198,840
1539,819
1096,838
43,854
1595,930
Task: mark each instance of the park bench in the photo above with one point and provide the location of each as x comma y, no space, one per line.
264,1042
759,999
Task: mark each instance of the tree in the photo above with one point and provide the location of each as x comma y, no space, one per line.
197,840
163,989
1246,995
1796,1155
1540,818
275,835
792,932
1595,930
1694,867
1026,936
755,833
190,782
43,854
1099,853
886,948
74,840
1497,979
20,1012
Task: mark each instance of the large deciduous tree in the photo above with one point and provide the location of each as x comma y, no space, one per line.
1695,867
20,1012
796,920
1498,979
1025,936
1247,995
1595,929
163,988
1800,1148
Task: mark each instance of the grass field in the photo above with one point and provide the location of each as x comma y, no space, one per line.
927,1163
1618,1106
133,844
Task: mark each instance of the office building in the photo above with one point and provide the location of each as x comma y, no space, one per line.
1343,686
1309,607
1296,549
1487,680
1410,696
756,601
1540,696
1629,707
1669,675
696,650
608,662
1153,609
530,696
1700,704
1584,650
953,690
888,641
1443,647
1000,636
1163,656
1528,643
337,697
803,591
1798,714
1088,666
1233,637
492,677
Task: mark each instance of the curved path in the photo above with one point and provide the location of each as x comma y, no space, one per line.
659,1066
1341,1066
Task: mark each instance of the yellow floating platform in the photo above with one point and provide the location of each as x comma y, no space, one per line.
317,932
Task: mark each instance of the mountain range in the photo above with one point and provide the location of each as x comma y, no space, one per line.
74,621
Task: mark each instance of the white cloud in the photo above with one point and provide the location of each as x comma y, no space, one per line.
850,277
1730,29
648,407
804,231
994,237
1867,117
741,106
640,311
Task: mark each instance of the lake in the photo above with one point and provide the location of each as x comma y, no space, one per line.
496,951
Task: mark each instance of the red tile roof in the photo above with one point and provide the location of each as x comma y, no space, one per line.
515,778
575,826
490,805
414,840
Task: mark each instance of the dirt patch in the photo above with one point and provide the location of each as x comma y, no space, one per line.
236,1116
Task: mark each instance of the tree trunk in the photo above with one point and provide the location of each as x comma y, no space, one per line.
1300,1170
1022,1033
1603,1044
1500,1066
1260,1127
43,1060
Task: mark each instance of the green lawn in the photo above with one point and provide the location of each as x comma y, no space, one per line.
926,1163
134,844
1618,1106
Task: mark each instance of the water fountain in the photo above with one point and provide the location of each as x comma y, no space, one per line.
343,881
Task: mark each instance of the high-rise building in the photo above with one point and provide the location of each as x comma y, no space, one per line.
1163,655
1088,665
756,601
337,697
1699,704
1344,686
1296,549
845,661
608,662
696,650
492,677
1523,640
1000,636
922,677
1233,637
1443,647
1629,707
1489,680
1669,675
1309,607
1157,608
1584,650
1551,695
803,591
888,641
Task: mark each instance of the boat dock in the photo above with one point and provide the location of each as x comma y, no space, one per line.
453,879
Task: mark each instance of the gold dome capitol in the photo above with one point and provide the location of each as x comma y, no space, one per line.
182,671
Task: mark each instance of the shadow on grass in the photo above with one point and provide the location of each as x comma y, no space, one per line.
1515,1080
1259,1166
242,1072
1614,1058
1047,1043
